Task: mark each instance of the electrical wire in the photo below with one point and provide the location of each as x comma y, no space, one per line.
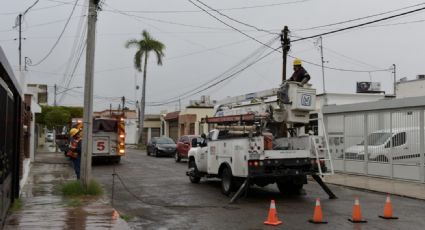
51,22
222,9
234,28
237,21
67,84
218,82
360,25
252,55
160,20
360,18
29,8
35,9
340,69
76,47
59,38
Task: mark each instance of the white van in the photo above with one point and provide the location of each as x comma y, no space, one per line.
405,146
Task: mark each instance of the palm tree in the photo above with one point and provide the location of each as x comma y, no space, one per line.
144,47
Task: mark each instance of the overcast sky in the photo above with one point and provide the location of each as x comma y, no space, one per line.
199,47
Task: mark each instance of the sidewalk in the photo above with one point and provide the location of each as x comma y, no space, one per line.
395,187
44,208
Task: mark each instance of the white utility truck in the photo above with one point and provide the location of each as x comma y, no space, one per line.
249,143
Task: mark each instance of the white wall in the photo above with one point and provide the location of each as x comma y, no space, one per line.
415,88
131,131
341,99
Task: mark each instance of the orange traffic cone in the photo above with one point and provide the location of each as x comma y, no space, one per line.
115,215
272,218
318,215
388,209
357,213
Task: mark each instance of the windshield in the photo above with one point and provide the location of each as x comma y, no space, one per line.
377,138
165,141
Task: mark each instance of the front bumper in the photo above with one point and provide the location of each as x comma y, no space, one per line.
166,152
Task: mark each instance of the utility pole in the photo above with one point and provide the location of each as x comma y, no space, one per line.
286,46
20,41
56,91
123,105
87,146
323,64
395,80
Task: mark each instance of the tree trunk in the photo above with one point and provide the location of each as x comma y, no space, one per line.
143,101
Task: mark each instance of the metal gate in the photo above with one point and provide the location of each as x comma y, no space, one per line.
8,155
383,139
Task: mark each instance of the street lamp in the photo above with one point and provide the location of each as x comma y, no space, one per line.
56,92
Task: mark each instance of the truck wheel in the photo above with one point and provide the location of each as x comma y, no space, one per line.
193,176
289,187
177,157
227,181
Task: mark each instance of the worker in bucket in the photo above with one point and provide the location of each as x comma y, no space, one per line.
74,151
300,75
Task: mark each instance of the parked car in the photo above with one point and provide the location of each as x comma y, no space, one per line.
161,146
49,137
402,144
183,145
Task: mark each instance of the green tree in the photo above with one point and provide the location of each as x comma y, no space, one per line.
56,118
144,47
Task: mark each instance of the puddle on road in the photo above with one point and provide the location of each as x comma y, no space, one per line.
44,207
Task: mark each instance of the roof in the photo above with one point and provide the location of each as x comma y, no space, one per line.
410,102
7,68
172,116
152,117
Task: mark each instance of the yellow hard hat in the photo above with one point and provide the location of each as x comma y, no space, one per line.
297,61
73,131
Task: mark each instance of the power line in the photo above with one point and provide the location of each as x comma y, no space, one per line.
340,69
74,69
253,55
160,20
35,9
29,8
237,21
350,58
221,9
234,28
360,18
218,82
76,46
59,38
51,22
359,25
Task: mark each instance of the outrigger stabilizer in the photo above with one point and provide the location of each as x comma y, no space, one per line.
244,187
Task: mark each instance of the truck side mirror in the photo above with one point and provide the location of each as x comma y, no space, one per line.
195,142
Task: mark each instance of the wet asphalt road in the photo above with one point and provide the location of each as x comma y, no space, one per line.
158,195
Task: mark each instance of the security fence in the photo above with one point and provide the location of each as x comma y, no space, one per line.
383,138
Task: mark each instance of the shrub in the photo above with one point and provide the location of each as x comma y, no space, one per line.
75,188
16,205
